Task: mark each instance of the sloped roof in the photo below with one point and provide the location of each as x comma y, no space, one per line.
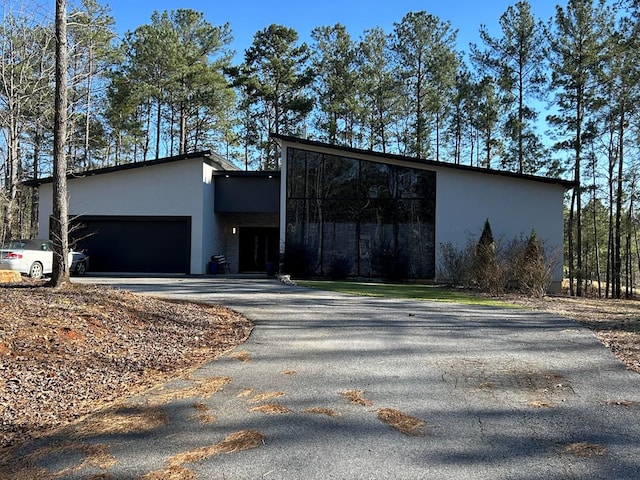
212,159
418,162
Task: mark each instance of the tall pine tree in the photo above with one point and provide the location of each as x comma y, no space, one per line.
516,59
578,49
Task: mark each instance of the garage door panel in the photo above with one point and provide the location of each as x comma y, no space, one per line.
135,244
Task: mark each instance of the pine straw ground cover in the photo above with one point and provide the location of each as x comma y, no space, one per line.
616,323
67,352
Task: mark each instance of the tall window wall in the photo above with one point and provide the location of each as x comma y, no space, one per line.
348,217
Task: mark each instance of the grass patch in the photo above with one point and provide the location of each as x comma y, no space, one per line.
432,293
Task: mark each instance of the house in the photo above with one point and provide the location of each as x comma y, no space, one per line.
170,215
328,210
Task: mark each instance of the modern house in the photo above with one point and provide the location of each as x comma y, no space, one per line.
170,215
329,209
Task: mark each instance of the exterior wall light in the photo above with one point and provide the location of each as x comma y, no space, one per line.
234,230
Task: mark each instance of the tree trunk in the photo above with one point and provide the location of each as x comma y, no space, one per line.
520,117
60,221
37,140
13,163
578,191
183,129
158,127
629,253
87,119
595,232
617,263
570,248
612,161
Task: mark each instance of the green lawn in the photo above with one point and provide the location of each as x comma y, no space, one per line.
411,291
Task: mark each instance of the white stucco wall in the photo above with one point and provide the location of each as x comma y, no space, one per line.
514,206
180,188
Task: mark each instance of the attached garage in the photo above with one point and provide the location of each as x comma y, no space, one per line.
154,216
129,244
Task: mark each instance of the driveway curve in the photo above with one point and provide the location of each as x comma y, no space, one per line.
503,393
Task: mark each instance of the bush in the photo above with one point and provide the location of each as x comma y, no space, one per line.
495,266
340,268
454,264
391,263
532,271
298,261
488,273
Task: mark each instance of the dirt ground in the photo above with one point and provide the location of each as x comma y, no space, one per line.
66,353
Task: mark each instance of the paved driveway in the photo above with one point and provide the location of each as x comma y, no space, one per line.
504,393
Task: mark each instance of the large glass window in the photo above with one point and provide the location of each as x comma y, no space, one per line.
350,217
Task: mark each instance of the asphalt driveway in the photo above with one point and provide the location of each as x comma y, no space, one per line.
503,393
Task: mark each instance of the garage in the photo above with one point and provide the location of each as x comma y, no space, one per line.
140,244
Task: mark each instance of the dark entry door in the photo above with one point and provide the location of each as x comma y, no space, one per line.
258,245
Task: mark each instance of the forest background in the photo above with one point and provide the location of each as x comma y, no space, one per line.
555,97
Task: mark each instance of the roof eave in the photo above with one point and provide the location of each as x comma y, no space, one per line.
567,184
208,157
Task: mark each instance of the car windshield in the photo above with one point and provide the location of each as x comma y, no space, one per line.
13,244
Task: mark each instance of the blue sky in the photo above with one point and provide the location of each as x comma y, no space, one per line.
249,16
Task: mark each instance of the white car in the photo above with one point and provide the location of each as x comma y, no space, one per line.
35,258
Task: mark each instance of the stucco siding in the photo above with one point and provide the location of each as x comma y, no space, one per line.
171,189
202,250
464,200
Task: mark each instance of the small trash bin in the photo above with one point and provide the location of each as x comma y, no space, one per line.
213,268
271,269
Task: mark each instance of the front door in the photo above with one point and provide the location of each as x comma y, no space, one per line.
258,246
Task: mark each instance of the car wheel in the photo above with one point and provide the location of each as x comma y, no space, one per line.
36,270
81,268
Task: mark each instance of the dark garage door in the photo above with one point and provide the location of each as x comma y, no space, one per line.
135,244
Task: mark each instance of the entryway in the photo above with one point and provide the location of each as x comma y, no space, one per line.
258,248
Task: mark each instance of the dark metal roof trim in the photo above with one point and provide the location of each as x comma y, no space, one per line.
567,184
207,156
247,173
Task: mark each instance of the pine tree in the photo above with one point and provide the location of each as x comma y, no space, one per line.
427,64
578,48
60,218
334,61
275,79
516,60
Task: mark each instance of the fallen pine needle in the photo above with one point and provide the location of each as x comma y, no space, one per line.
584,449
263,397
242,356
323,411
402,422
355,396
235,442
271,409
